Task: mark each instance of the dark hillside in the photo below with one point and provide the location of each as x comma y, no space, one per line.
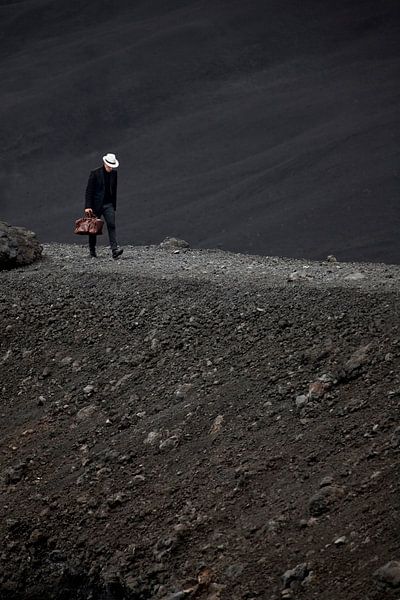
260,126
199,425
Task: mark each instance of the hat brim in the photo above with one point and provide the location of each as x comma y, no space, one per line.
112,165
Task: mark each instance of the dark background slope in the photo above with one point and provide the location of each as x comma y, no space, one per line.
265,127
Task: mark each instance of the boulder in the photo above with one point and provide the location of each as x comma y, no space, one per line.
389,574
18,246
324,499
171,243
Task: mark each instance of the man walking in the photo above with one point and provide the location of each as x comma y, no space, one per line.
101,200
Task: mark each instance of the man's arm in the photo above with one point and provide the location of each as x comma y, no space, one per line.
115,191
89,195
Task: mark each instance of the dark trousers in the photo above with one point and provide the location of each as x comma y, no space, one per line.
108,213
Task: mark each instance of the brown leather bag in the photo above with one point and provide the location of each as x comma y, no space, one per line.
89,225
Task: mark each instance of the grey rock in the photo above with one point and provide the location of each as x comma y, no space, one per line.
217,424
395,438
328,480
138,479
116,499
86,412
324,499
355,276
177,596
359,359
234,571
301,400
37,537
18,246
152,438
13,475
297,276
299,573
183,391
389,574
318,388
45,373
340,541
171,243
327,378
169,443
67,360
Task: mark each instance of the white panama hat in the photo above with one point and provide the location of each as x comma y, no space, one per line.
111,160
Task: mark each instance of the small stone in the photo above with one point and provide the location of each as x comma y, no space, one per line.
205,576
303,523
171,243
180,528
89,389
86,412
183,391
216,426
13,475
328,480
299,573
395,438
301,400
66,361
152,438
234,571
76,366
389,574
340,541
169,443
82,499
138,479
357,361
115,500
296,276
318,388
331,258
38,537
324,499
358,276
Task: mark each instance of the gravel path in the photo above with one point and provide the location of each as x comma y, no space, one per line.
219,267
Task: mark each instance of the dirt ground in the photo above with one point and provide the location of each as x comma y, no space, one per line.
201,425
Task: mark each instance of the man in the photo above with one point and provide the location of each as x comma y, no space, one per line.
101,200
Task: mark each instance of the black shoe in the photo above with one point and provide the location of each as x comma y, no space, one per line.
93,254
117,253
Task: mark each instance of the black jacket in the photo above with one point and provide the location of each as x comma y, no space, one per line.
95,190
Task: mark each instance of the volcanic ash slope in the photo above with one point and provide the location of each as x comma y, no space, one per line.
199,424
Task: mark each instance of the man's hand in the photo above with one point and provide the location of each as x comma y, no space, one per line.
88,212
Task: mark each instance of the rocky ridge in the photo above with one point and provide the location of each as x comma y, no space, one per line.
18,246
199,424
